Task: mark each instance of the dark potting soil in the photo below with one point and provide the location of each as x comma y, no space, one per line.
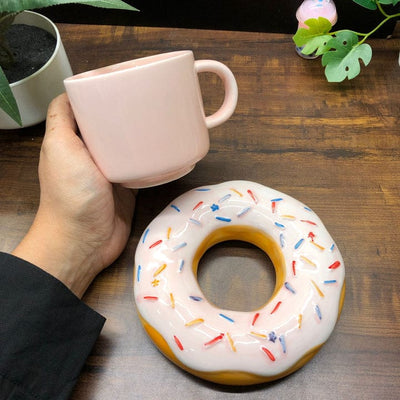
31,47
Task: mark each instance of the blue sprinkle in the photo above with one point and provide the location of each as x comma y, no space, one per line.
298,244
330,281
332,247
308,209
283,343
272,337
282,240
223,219
226,317
278,199
214,207
145,235
139,270
244,211
196,298
181,265
226,197
280,225
179,246
175,207
289,287
194,221
318,311
202,190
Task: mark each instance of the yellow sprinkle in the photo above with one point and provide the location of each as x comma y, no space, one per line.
308,261
232,344
317,289
195,322
169,233
171,296
300,319
237,192
161,269
317,245
292,217
259,335
155,282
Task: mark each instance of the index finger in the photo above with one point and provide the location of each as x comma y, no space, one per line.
60,118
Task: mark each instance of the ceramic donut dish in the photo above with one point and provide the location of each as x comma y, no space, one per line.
236,347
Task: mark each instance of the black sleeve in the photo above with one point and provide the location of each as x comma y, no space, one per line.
46,333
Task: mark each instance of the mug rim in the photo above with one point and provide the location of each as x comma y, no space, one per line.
126,66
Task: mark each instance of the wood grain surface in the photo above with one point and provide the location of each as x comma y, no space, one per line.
335,147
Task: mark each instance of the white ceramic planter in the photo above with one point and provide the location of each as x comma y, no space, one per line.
35,92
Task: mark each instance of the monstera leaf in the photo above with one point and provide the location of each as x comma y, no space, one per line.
315,38
343,59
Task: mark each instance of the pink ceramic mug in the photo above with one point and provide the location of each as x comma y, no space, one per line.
143,120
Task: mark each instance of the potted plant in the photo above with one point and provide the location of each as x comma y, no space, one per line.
24,100
342,50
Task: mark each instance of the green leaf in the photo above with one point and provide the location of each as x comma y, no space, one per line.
318,45
7,99
370,4
343,60
317,27
393,2
21,5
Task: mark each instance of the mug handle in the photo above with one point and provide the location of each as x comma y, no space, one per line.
231,90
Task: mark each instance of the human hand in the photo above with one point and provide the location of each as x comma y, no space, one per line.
83,221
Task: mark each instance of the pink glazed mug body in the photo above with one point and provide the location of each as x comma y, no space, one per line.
143,120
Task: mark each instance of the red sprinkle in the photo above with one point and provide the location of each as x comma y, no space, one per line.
255,318
335,265
252,196
294,267
276,307
268,353
155,244
178,342
215,340
308,222
273,204
150,297
197,205
311,236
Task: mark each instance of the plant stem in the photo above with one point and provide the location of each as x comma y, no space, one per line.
382,22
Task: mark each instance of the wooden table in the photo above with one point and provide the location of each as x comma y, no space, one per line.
335,147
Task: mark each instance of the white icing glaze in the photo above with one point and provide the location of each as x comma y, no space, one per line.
168,296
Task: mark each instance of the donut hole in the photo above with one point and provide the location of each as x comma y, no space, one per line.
236,275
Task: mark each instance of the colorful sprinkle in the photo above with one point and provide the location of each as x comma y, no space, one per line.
335,265
279,225
298,244
289,287
223,219
318,246
332,247
256,315
330,281
252,196
139,271
272,337
290,217
145,234
273,206
155,282
159,270
224,198
317,289
197,205
231,343
318,311
237,192
181,264
150,298
226,317
311,235
308,261
214,207
202,190
195,298
268,353
308,222
283,343
172,298
300,320
277,199
243,211
276,307
258,335
178,342
169,233
179,246
194,221
294,267
282,240
176,208
195,322
215,340
308,209
155,244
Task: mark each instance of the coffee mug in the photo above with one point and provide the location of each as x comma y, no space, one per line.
143,120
